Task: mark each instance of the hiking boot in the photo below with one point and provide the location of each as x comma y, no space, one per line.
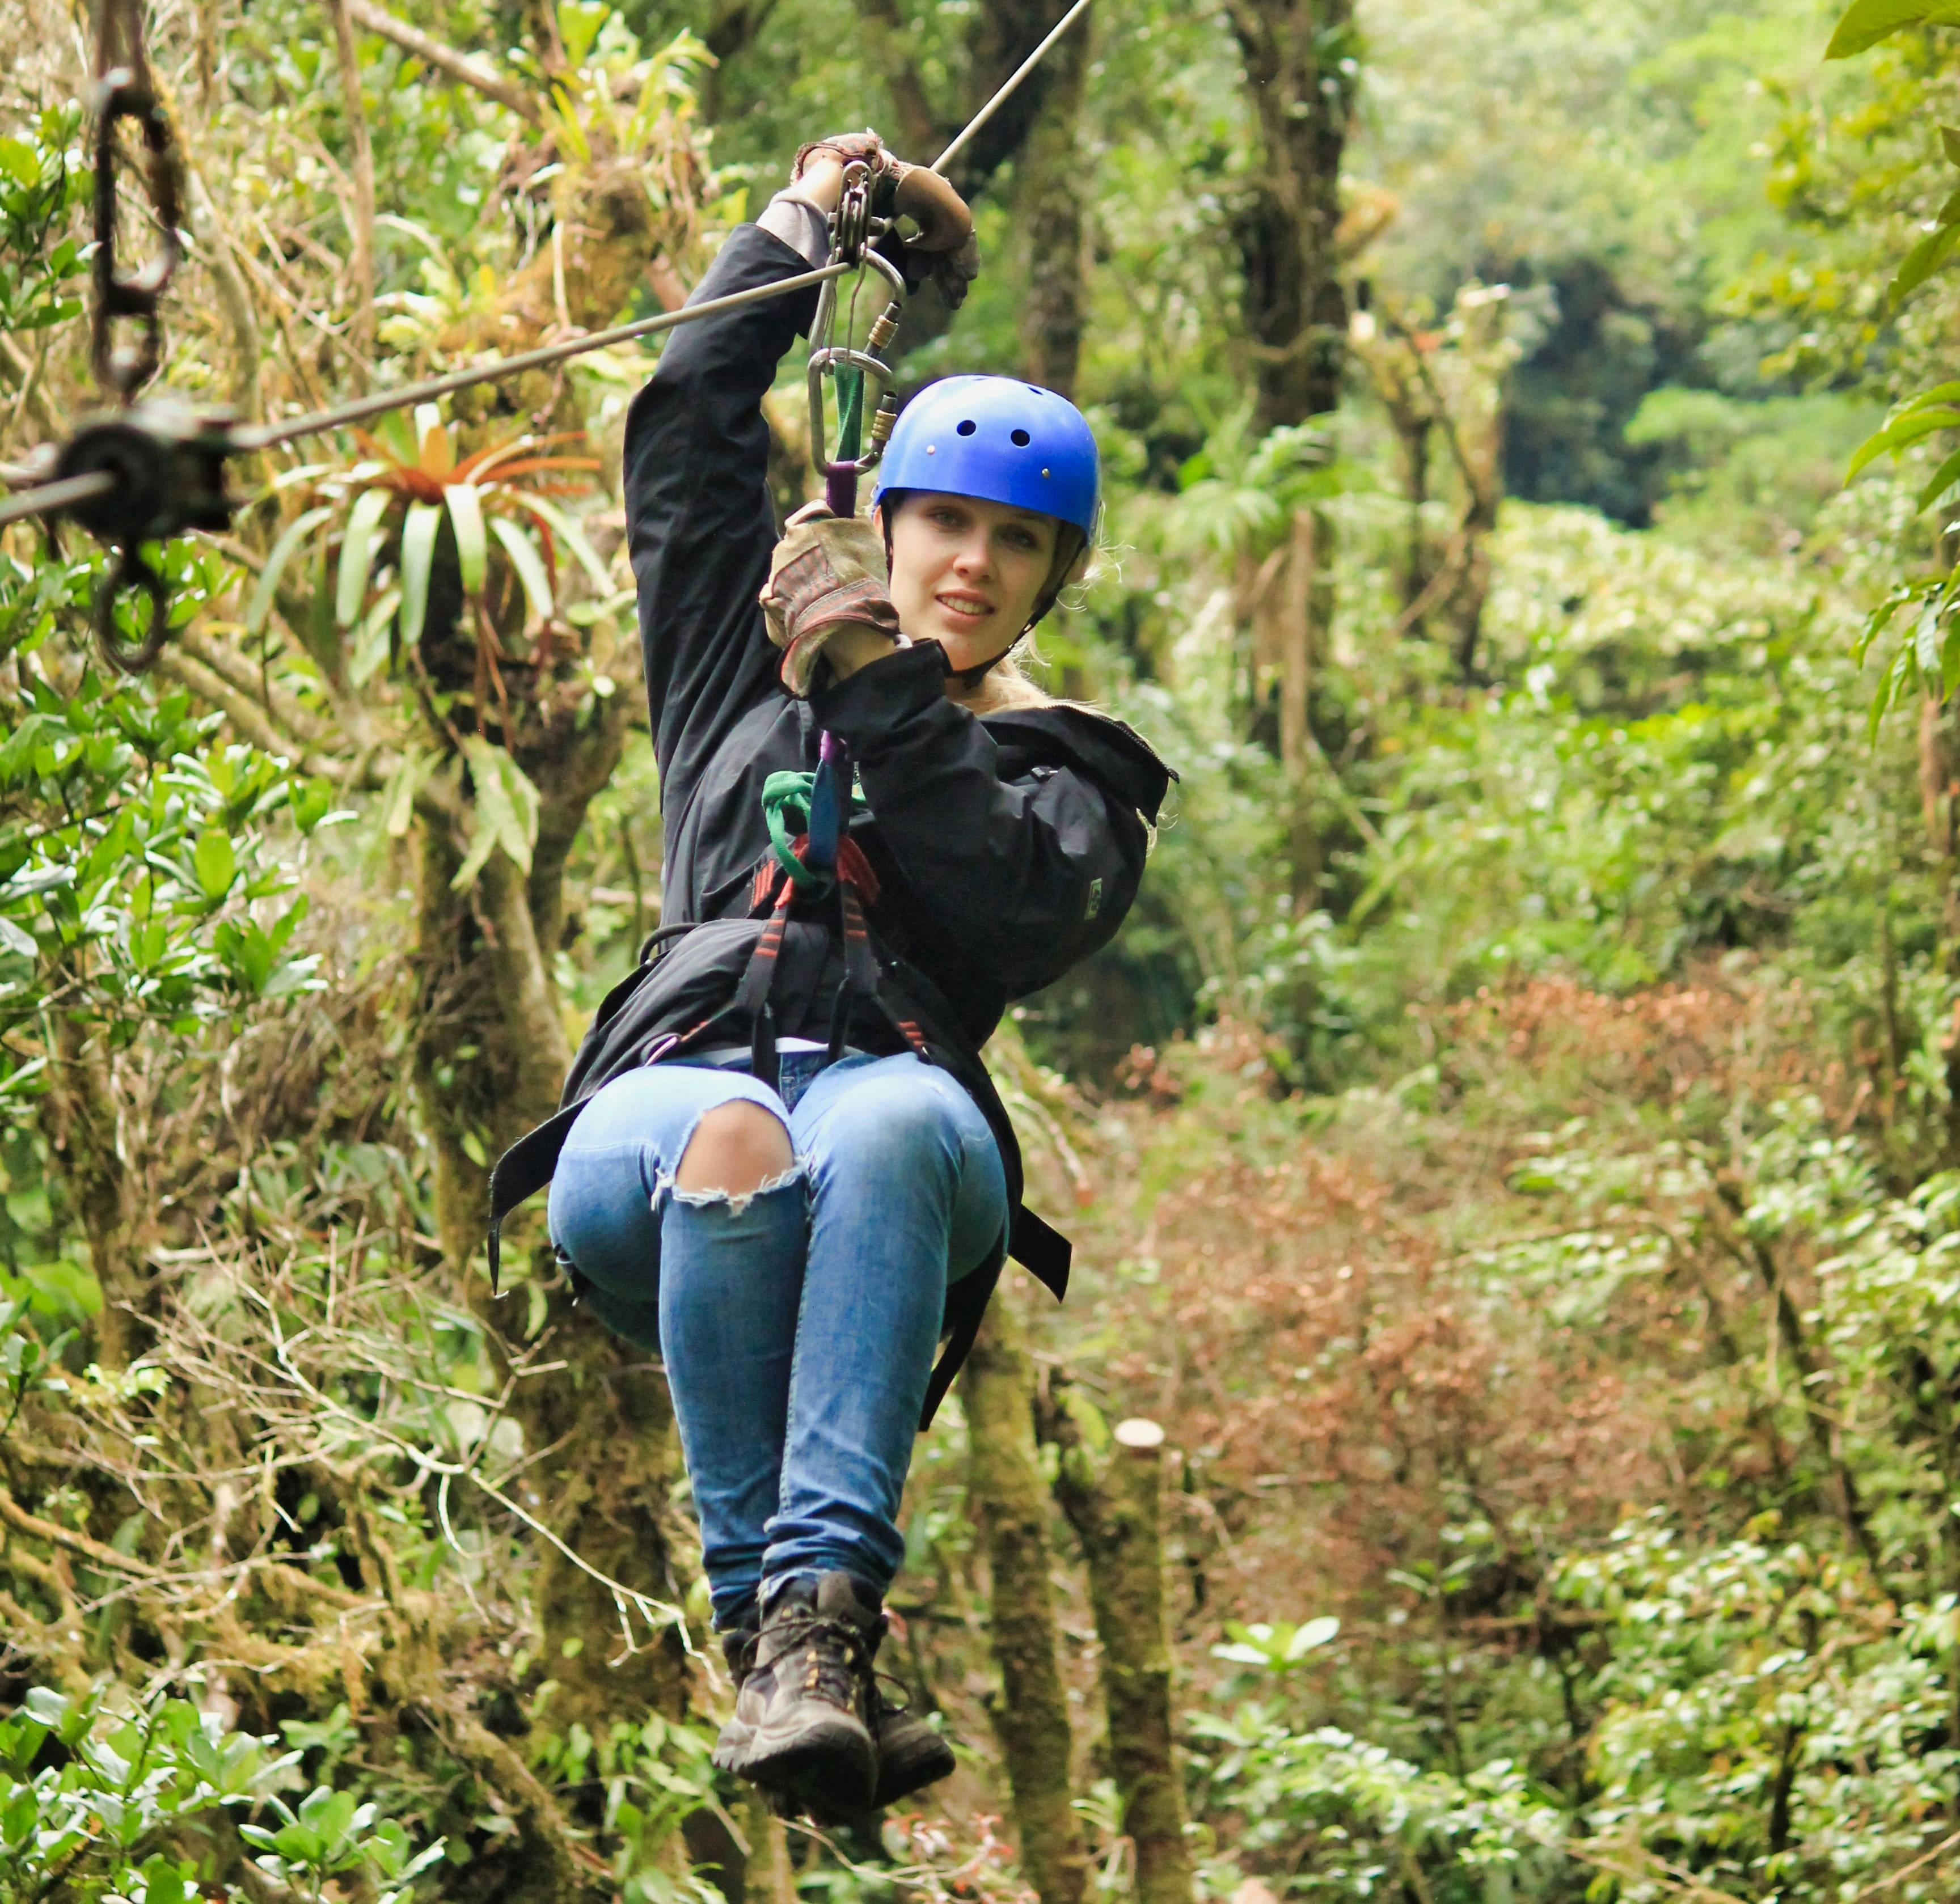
911,1754
738,1648
802,1724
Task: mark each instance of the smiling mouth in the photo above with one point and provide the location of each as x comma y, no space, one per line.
969,608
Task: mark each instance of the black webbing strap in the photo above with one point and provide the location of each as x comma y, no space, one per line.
758,979
860,963
1041,1250
525,1168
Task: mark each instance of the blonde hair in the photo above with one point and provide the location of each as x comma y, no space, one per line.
1001,687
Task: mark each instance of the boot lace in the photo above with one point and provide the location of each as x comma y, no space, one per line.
821,1656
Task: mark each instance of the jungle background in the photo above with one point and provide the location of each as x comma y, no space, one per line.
1501,1442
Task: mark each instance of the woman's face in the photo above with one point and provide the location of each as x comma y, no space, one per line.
966,573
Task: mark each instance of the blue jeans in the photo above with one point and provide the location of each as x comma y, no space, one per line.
798,1324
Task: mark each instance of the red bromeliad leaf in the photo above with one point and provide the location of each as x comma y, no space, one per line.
508,471
418,484
478,464
471,467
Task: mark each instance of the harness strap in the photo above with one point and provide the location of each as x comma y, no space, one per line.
759,981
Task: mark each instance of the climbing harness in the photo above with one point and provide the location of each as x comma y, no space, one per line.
789,798
143,472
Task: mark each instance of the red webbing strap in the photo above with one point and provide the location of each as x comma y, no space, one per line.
860,962
752,995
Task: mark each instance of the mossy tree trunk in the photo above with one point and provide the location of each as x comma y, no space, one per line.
1302,76
1049,191
1010,1501
1115,1505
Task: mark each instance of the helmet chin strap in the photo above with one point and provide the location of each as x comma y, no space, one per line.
971,678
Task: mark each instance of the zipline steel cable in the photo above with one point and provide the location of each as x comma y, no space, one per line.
73,492
51,498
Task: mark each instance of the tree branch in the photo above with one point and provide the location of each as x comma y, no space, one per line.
445,60
251,721
17,1518
917,122
361,328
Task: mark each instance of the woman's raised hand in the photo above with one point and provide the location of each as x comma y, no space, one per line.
826,597
942,246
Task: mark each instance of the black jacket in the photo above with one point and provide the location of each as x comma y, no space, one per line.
1006,847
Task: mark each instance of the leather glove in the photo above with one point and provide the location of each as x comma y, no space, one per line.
844,147
827,581
944,248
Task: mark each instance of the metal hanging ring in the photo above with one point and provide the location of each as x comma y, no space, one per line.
853,226
128,570
137,293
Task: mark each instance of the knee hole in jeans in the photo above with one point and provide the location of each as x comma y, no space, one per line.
736,1150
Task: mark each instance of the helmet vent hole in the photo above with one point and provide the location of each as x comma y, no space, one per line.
1021,439
967,427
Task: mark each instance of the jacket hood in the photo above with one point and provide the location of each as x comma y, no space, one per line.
1108,749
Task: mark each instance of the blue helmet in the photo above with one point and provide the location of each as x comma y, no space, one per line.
999,439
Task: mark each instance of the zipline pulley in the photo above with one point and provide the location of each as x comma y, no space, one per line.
167,461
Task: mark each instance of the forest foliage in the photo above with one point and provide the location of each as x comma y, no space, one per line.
1513,1149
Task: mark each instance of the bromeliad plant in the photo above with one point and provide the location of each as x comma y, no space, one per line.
423,543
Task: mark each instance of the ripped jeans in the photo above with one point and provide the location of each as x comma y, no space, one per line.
798,1324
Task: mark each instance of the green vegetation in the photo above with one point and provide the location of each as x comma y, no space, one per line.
1513,1149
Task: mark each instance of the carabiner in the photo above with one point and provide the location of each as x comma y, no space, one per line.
121,95
854,457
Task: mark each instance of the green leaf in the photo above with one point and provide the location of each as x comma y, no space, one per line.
465,515
294,532
215,862
18,162
357,554
163,1882
1241,1656
396,436
1316,1632
1950,661
44,1705
1896,677
562,525
1925,643
1943,479
504,812
529,563
1869,21
1923,260
398,797
417,558
370,648
1949,140
1900,433
578,24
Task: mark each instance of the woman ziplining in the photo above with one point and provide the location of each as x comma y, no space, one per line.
780,1164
